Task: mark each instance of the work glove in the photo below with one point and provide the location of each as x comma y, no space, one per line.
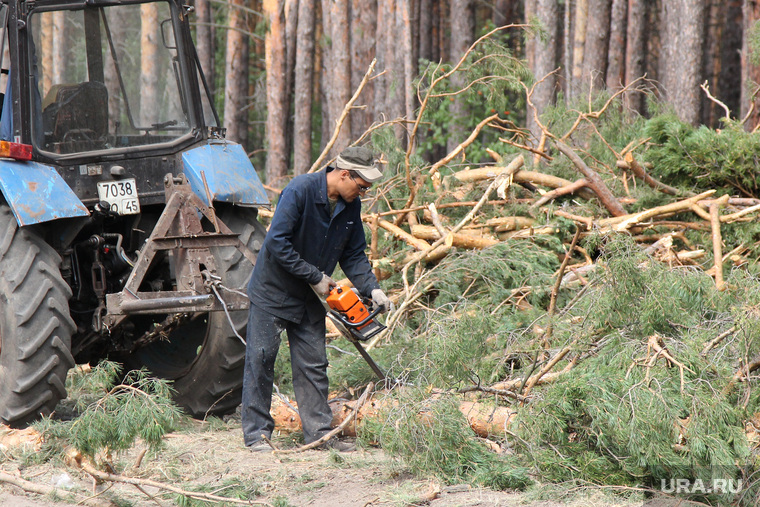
381,300
324,286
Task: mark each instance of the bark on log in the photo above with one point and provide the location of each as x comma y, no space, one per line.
504,224
458,239
485,420
514,384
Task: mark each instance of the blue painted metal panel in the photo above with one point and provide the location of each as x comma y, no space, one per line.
36,193
229,174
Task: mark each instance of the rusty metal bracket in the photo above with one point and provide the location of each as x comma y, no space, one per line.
179,231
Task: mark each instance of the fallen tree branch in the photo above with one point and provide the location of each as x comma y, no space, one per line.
621,223
41,489
559,192
715,341
505,224
608,200
416,243
630,163
109,477
533,380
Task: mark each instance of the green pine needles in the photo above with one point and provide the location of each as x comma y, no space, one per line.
703,158
630,414
431,438
115,414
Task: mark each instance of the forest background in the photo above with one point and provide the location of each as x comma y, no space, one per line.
283,70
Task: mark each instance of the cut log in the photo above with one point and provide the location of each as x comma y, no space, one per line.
460,240
484,419
504,224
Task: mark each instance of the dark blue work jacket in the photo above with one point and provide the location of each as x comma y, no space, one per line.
303,242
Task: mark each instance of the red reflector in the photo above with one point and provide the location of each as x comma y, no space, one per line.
15,150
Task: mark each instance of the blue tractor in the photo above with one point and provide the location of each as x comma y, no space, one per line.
128,224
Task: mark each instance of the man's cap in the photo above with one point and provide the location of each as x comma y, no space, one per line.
362,161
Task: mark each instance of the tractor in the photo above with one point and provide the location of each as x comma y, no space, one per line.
128,223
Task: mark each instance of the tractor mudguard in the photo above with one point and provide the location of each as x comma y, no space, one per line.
228,172
37,193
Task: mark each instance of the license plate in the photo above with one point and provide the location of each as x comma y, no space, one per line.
120,195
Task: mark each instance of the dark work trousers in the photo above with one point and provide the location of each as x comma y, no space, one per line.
308,360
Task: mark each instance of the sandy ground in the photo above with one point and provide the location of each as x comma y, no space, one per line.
217,461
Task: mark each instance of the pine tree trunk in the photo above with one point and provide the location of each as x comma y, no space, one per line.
60,48
304,81
396,99
149,41
363,31
616,55
111,76
46,54
204,35
597,44
462,36
236,75
543,60
337,69
425,30
291,33
382,32
681,61
635,52
579,45
730,55
277,112
504,12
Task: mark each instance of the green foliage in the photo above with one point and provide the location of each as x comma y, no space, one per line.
753,42
432,438
703,158
645,297
495,75
490,275
624,415
138,407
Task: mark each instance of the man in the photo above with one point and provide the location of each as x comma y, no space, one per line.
317,224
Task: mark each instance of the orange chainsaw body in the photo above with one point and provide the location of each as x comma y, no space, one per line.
345,301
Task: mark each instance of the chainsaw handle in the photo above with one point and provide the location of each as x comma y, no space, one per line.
357,325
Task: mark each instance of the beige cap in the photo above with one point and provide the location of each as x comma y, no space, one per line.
360,160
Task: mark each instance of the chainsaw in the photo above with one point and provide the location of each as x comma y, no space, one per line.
349,313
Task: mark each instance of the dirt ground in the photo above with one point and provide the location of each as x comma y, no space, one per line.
214,459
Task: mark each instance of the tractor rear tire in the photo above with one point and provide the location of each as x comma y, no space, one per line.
35,325
204,358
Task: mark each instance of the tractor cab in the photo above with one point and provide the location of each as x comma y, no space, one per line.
97,79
